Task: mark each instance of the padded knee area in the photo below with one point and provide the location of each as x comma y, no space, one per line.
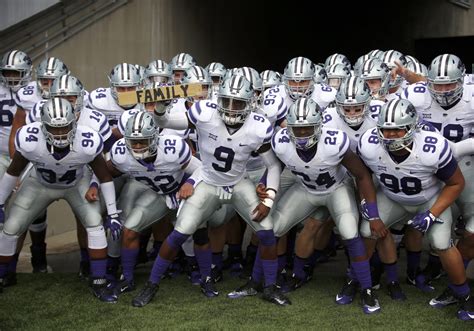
8,244
200,237
176,239
96,238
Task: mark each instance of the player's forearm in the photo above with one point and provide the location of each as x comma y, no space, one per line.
175,120
7,184
273,169
192,166
462,148
18,122
108,192
446,198
412,77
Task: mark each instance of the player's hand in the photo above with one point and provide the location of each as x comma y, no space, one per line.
186,191
2,214
160,107
423,221
113,224
377,228
262,192
172,202
92,194
260,212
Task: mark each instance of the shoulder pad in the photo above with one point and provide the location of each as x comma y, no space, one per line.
280,141
323,95
335,141
28,137
202,111
441,152
119,152
124,119
262,126
367,143
100,99
173,149
35,113
274,108
329,116
418,95
89,141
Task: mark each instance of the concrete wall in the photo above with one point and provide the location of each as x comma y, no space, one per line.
14,11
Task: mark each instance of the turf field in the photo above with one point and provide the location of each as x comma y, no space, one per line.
60,301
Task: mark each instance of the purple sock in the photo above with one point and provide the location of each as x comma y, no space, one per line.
257,271
466,263
84,254
204,260
129,259
315,257
362,272
191,259
235,250
281,263
217,260
159,268
270,271
391,271
351,274
298,267
3,270
413,263
98,268
460,291
12,264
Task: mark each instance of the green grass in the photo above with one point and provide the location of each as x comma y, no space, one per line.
61,301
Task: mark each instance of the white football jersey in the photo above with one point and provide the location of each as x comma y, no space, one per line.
455,124
322,94
395,95
28,96
179,105
58,173
166,176
7,113
324,172
413,181
101,99
332,119
90,118
224,156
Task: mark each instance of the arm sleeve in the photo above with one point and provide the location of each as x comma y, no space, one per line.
175,120
273,169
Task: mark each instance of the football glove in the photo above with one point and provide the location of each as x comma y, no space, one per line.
113,224
423,221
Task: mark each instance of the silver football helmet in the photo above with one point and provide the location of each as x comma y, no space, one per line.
320,74
179,63
335,59
124,75
352,100
158,71
418,68
397,114
234,100
445,79
58,122
47,71
141,136
389,58
256,82
304,123
336,74
298,77
70,88
217,72
15,69
377,53
270,78
197,74
377,75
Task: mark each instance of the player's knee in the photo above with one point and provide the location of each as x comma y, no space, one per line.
348,227
7,244
440,243
365,229
96,238
200,237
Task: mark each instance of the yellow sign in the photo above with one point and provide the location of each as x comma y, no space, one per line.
159,94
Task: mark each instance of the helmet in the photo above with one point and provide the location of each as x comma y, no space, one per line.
141,127
124,75
354,93
304,113
397,114
320,74
58,113
158,71
15,61
418,68
141,70
197,74
49,69
234,99
255,80
359,63
336,73
389,58
180,62
377,53
300,72
217,72
375,69
446,69
67,85
270,78
337,58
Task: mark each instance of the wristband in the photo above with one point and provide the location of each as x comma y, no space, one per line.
372,210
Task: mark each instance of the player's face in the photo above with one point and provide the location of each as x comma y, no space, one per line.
394,133
203,95
374,84
59,131
334,82
177,76
353,111
46,83
139,144
150,107
215,80
445,87
11,74
159,79
301,85
303,131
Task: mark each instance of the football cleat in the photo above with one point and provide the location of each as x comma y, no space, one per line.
208,288
102,291
294,283
216,274
370,304
348,292
124,286
236,269
466,311
420,283
84,269
444,299
194,277
396,292
282,282
146,295
248,289
274,295
38,258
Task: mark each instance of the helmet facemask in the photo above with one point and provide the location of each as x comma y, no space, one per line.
15,79
304,136
353,114
59,134
444,95
140,147
299,88
233,110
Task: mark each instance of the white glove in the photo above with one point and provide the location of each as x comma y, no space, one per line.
225,192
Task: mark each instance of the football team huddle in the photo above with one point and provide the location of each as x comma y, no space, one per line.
371,157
